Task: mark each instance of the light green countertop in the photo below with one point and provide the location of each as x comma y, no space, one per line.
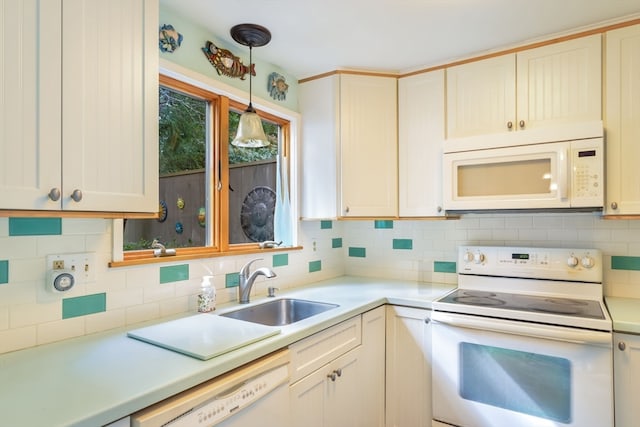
625,313
96,379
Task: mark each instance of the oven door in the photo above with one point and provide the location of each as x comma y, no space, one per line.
502,373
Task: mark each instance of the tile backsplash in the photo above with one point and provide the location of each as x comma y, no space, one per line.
31,315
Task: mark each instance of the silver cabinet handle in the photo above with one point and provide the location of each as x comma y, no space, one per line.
332,376
521,124
54,194
346,210
614,205
509,125
76,195
338,372
622,346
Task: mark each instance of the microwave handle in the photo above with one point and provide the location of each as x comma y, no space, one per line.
563,174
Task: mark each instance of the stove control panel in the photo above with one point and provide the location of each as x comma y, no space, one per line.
583,265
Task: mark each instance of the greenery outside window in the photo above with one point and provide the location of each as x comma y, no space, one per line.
214,197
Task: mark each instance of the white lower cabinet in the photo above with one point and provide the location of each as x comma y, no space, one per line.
338,375
626,367
408,367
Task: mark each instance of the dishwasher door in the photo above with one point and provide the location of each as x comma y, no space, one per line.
252,395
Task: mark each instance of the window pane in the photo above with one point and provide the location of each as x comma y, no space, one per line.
252,186
183,176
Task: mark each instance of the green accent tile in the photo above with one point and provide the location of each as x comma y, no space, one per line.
280,260
357,252
444,267
402,244
315,266
336,242
383,223
35,226
81,306
4,271
231,280
174,273
325,225
625,263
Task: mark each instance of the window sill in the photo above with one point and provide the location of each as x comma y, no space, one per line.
146,257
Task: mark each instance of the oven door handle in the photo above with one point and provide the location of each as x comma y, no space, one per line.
558,333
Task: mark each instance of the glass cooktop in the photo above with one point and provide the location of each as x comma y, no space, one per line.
529,303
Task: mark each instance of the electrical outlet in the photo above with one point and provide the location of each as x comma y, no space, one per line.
81,264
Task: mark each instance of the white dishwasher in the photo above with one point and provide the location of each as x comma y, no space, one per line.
252,395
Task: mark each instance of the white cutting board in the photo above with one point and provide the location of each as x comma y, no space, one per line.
203,336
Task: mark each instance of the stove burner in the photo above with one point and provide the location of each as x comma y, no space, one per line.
480,294
565,301
479,300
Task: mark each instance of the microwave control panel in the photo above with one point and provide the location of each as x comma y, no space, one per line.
587,170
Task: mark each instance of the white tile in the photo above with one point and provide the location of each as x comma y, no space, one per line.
32,314
159,292
124,298
142,313
60,330
18,338
82,226
18,247
105,320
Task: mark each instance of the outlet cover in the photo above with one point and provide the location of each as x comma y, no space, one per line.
82,264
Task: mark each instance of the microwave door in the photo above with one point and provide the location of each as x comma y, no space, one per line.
525,177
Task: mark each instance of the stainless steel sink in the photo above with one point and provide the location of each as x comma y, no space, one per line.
280,312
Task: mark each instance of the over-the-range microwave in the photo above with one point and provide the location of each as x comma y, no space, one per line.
535,169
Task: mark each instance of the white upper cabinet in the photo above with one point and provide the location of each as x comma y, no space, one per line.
550,85
84,136
560,83
622,120
349,146
481,97
421,125
319,105
369,146
30,97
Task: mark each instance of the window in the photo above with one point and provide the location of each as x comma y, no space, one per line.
214,197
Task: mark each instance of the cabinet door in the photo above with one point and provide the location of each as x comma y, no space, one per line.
326,399
30,100
372,362
110,105
626,366
421,134
319,149
560,83
481,97
622,109
368,141
408,367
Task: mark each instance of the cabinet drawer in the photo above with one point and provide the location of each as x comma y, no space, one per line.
319,349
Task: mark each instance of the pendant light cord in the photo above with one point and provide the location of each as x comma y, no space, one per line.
250,73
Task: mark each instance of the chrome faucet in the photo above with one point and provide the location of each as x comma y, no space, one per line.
247,278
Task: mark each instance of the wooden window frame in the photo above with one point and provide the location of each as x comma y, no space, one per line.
218,192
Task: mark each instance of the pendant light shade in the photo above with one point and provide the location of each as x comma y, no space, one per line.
250,132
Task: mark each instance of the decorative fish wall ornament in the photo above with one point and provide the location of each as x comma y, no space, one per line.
226,63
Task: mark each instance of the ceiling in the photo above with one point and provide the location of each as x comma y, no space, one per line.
310,37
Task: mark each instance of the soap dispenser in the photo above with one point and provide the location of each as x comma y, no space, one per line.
207,297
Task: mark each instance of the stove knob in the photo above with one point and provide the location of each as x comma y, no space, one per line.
572,261
467,257
587,262
478,257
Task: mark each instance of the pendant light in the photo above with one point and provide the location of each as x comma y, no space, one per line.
250,132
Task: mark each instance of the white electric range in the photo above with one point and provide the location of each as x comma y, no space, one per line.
524,340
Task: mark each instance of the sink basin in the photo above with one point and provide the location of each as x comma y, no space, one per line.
280,312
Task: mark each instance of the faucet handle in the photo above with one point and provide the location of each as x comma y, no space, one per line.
271,291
